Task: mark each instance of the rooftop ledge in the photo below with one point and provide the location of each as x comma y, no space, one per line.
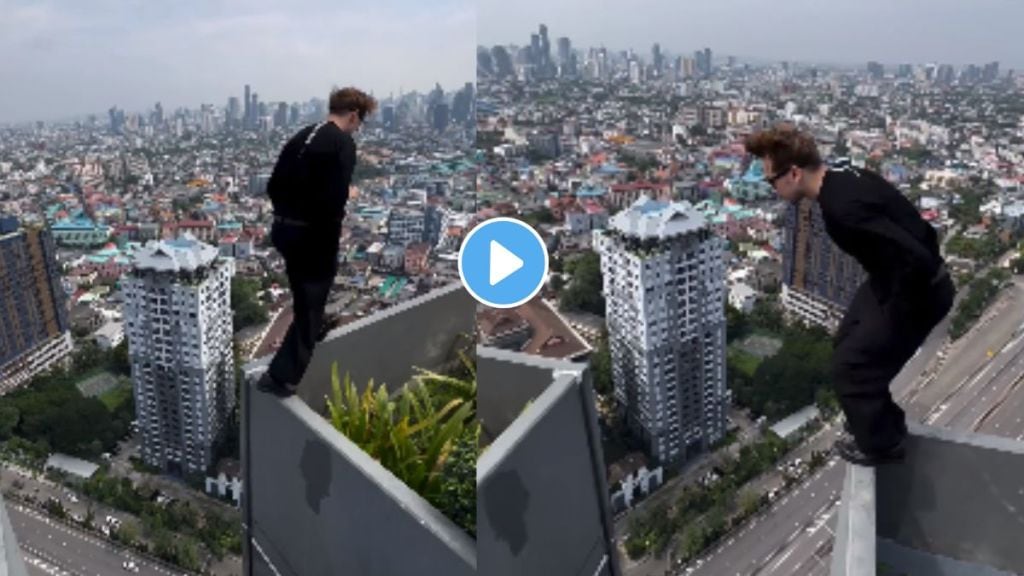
315,503
953,507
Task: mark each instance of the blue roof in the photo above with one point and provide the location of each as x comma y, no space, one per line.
181,243
609,169
653,207
755,173
591,191
81,223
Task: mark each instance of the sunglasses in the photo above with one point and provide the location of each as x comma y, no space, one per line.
771,180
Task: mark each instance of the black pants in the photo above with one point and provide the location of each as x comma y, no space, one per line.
874,340
311,262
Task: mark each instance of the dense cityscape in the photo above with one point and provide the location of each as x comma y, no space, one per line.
717,422
152,234
663,406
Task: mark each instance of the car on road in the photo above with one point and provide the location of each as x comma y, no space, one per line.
129,566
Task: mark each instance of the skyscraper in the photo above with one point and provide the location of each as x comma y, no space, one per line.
656,60
281,116
179,326
818,279
564,51
34,330
664,284
254,110
247,117
233,112
545,50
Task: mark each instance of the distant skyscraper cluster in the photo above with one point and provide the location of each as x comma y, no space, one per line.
664,284
535,61
34,329
944,74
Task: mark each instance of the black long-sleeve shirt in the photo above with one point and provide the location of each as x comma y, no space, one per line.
313,187
870,219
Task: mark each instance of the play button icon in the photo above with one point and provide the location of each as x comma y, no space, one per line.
503,262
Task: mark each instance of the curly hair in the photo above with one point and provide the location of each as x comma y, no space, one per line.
785,146
350,99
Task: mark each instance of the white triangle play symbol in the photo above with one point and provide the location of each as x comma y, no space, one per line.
503,263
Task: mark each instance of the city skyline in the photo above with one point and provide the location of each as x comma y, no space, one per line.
72,60
742,28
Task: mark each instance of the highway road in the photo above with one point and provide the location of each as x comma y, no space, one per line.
53,549
967,391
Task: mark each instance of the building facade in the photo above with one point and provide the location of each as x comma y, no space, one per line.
35,331
664,287
818,279
405,226
178,321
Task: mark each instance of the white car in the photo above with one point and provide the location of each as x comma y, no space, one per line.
129,566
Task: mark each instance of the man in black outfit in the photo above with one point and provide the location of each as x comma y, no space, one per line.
309,188
907,293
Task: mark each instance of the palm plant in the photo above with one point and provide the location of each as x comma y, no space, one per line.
410,435
451,386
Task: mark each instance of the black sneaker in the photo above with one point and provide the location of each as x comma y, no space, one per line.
271,386
849,451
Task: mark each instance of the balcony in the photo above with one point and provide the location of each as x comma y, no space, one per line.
954,507
11,562
542,498
314,502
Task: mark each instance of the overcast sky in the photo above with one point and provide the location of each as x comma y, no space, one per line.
840,31
63,58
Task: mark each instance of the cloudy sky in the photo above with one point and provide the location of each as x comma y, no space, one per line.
63,58
841,31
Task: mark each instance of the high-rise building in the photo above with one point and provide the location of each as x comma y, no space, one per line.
247,117
233,112
281,116
545,50
34,328
689,67
564,51
991,72
293,115
117,120
405,226
254,111
635,72
462,105
440,116
657,61
179,326
876,70
818,279
664,283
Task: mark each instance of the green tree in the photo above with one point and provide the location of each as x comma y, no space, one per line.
557,283
736,323
585,286
245,304
9,417
120,363
601,365
127,534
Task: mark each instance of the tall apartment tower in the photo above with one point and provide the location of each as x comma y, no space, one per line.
34,328
179,326
818,279
664,284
